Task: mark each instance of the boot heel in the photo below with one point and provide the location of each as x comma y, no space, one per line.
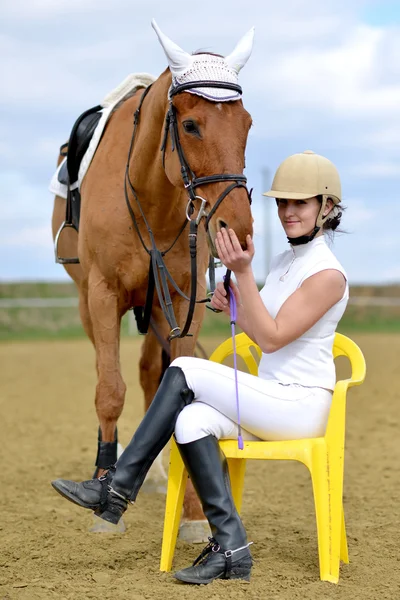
112,516
109,516
241,571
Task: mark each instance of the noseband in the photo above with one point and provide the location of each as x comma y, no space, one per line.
158,272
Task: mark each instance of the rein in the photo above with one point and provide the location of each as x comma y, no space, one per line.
158,272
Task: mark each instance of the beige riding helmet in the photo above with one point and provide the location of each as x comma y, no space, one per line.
305,175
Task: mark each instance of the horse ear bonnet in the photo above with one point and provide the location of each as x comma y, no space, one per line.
189,68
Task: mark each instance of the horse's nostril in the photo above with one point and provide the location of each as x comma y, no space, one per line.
222,224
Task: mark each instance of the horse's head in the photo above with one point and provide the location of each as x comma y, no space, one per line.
208,129
213,138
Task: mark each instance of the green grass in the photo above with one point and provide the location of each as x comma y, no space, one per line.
370,319
64,323
38,290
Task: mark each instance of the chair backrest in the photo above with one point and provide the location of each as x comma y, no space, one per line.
248,350
245,348
342,346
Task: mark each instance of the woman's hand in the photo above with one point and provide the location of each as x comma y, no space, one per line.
220,301
230,251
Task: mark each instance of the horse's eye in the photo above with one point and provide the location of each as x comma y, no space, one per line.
190,127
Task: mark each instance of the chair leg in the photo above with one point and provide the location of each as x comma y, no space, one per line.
335,458
329,511
237,469
177,480
321,491
344,551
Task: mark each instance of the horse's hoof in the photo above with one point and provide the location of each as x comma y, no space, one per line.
101,526
194,532
120,450
156,480
150,486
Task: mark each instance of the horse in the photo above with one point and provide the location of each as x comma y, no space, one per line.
135,197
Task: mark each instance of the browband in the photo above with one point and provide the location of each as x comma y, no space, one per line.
177,89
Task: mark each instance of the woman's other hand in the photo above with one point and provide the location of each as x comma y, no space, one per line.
220,300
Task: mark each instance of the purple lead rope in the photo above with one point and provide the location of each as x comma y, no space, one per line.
233,309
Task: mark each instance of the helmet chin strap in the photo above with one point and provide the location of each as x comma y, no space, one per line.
304,239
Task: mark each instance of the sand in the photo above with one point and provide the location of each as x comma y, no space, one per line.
49,430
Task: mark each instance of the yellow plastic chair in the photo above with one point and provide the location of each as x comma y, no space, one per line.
323,456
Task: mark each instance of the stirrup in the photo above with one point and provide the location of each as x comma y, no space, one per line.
59,259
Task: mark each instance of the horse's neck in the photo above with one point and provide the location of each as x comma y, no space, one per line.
146,167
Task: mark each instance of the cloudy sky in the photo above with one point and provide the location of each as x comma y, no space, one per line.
324,75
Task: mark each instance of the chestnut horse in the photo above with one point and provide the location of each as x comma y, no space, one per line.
113,273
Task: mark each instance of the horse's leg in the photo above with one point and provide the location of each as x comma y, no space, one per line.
68,246
194,526
104,325
152,366
113,450
85,314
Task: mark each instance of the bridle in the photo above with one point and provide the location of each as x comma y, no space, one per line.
190,181
158,272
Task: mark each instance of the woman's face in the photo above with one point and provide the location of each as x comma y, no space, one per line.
298,217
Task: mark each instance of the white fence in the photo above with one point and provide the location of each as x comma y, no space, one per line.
71,302
68,302
38,302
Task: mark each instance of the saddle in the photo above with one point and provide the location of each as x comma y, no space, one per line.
75,149
78,143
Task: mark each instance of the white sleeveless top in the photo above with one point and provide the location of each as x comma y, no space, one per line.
307,361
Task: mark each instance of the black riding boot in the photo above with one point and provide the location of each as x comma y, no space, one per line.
109,495
227,556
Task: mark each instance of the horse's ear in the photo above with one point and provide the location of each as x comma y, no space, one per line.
178,59
241,54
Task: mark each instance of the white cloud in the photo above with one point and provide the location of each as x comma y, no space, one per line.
29,237
342,77
22,200
56,80
388,242
358,212
45,148
385,138
376,170
318,78
48,9
6,151
392,274
302,58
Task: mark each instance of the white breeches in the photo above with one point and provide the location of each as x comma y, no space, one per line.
269,410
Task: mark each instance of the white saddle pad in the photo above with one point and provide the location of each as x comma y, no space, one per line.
130,84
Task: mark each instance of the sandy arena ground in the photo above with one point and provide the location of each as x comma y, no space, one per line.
49,426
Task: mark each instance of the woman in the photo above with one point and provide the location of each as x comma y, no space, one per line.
293,320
